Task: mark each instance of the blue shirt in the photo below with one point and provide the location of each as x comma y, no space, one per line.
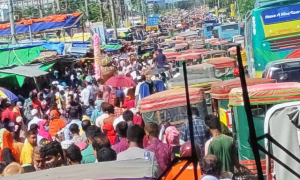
159,85
144,90
67,133
161,60
200,132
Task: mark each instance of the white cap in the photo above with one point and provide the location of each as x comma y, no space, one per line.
34,112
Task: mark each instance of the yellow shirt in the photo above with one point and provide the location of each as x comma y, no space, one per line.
26,154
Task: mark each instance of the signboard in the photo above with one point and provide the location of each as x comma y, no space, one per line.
281,14
281,21
152,21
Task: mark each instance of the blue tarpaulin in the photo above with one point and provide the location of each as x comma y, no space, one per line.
58,47
71,21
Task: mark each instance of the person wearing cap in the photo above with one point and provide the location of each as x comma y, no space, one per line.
188,173
35,119
17,109
55,124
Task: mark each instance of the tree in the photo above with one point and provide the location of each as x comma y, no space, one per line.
246,6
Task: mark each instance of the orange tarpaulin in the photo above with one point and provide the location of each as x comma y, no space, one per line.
54,18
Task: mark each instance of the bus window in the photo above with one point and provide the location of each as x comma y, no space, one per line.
230,27
215,33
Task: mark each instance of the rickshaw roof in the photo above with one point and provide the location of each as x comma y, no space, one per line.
215,52
218,59
170,99
269,93
222,89
172,54
225,63
195,50
188,56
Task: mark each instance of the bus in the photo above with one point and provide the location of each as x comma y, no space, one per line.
226,31
208,27
271,33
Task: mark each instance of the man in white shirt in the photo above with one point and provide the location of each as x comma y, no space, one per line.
35,119
86,95
135,136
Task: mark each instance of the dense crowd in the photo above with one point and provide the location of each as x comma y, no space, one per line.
78,120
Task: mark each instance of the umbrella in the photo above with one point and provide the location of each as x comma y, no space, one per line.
4,93
120,81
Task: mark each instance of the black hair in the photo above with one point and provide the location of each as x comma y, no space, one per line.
121,129
73,113
100,141
74,128
74,154
7,156
85,124
128,115
135,134
212,122
34,127
31,132
143,77
195,111
52,148
210,165
91,102
92,131
46,117
106,154
109,108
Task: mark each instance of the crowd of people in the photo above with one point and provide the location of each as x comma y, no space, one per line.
80,121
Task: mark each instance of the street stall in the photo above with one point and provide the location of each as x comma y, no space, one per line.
220,98
170,105
262,97
224,68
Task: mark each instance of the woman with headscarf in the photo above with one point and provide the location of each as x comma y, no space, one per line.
43,130
97,112
172,138
56,124
7,142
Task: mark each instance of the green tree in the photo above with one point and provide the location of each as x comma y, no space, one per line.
246,6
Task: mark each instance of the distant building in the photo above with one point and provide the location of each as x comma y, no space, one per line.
161,3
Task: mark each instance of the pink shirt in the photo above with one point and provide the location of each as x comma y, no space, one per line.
121,146
138,120
163,153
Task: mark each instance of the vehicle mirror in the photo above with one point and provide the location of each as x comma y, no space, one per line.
283,76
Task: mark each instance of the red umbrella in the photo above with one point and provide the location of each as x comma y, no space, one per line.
120,81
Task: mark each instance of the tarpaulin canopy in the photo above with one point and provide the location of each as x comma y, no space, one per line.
19,56
48,23
27,71
267,94
170,99
131,169
11,80
111,47
222,89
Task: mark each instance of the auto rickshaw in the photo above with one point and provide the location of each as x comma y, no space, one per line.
262,97
200,75
181,47
214,54
224,67
190,57
220,99
170,106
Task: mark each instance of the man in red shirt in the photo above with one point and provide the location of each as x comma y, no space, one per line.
8,113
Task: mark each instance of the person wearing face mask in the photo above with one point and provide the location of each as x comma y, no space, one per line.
53,155
43,131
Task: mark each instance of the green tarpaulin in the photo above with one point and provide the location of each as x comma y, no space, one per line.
115,47
11,80
19,56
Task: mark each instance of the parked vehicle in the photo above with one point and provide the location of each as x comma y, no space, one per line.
286,70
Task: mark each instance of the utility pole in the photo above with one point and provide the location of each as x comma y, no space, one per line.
101,14
58,5
86,9
12,22
113,16
142,11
